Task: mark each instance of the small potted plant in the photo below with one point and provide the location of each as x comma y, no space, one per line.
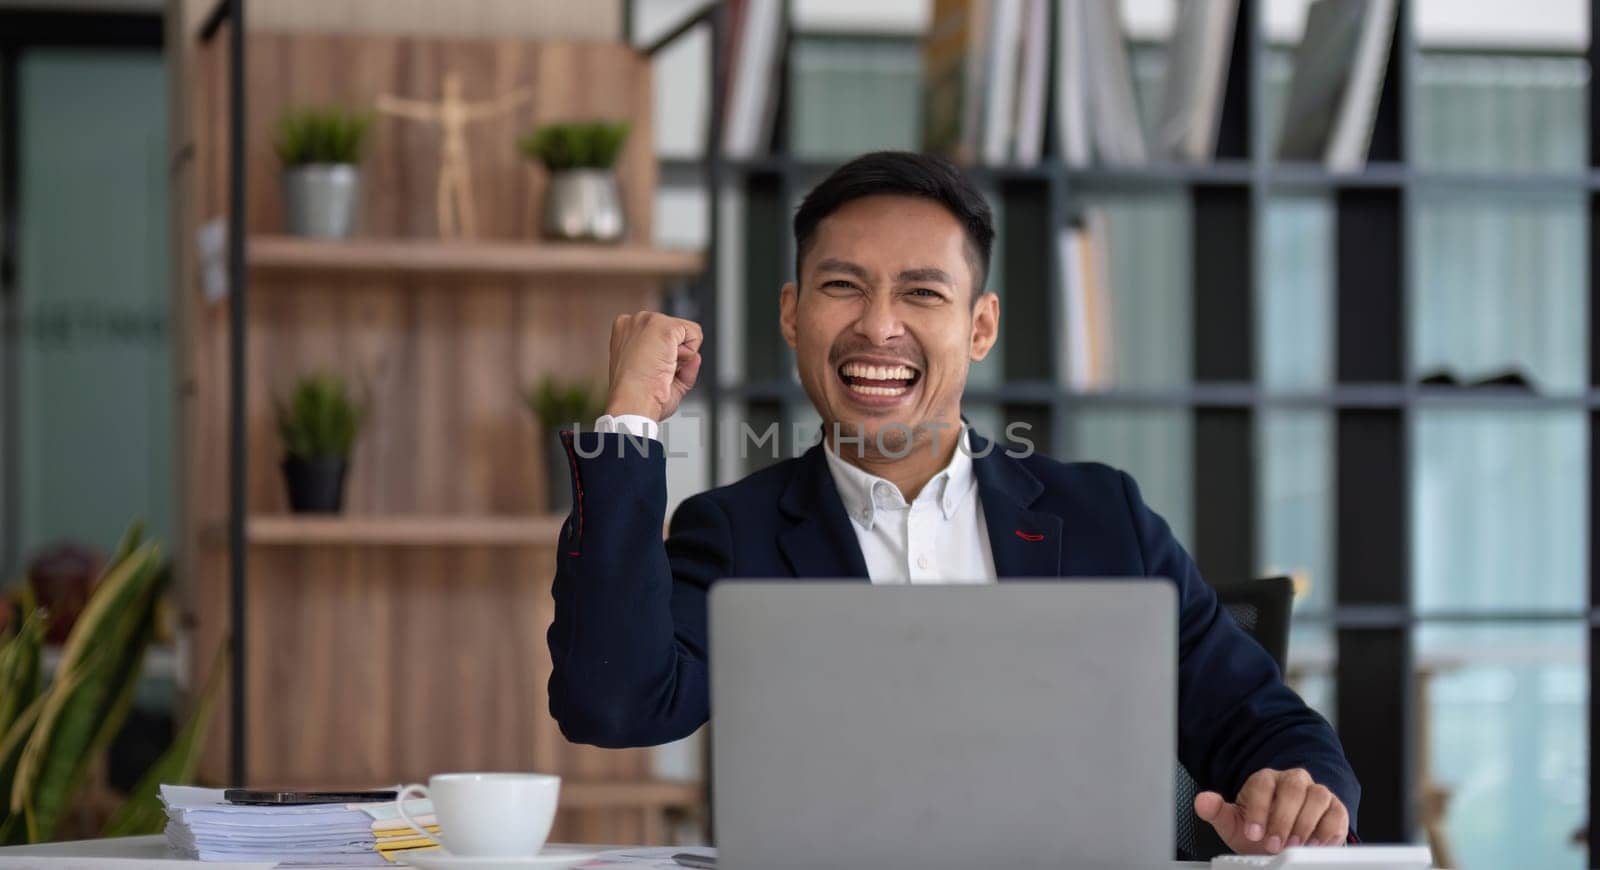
559,405
318,427
321,150
582,201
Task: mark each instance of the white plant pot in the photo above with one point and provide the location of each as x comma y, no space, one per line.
583,205
321,200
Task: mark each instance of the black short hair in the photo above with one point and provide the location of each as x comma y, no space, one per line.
902,173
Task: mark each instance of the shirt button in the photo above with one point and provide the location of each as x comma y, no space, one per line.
922,562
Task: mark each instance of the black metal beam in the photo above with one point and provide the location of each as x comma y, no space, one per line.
10,310
1372,686
711,281
238,304
36,28
1390,121
1024,251
1233,127
1592,829
215,19
1371,308
690,22
1224,283
1225,495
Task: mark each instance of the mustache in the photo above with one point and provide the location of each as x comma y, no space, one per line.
909,354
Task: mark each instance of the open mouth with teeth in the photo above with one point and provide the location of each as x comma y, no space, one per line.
880,382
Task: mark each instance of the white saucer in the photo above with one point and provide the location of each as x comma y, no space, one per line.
552,858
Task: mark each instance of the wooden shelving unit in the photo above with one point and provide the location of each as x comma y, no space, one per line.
404,637
431,257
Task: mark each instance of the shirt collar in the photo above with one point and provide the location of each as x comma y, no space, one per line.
864,493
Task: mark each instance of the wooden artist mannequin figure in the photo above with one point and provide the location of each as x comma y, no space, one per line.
452,113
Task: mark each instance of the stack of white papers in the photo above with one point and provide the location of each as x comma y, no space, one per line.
201,824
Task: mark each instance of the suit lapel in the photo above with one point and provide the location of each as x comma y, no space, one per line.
1024,542
820,543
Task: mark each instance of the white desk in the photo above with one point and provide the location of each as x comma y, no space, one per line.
155,848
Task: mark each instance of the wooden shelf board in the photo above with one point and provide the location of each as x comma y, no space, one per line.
646,793
401,530
160,660
425,256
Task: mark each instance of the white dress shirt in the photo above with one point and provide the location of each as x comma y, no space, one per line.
938,538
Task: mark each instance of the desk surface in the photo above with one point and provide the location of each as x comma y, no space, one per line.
155,848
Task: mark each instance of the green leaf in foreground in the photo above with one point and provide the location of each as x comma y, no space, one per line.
143,813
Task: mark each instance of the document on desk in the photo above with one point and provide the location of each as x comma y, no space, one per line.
63,862
644,859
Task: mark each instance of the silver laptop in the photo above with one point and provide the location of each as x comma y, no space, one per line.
1018,725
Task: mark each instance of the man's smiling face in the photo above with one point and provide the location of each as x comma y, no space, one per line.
883,322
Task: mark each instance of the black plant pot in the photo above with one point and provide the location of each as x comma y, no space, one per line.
316,486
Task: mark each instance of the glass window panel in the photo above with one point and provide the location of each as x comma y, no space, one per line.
682,216
1277,69
1499,112
731,290
1296,314
1501,284
1537,25
1295,495
96,393
1313,657
681,73
734,428
687,437
990,371
1147,61
1499,510
1147,247
760,439
1155,446
1504,736
802,427
854,93
987,419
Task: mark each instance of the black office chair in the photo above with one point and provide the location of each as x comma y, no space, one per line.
1261,608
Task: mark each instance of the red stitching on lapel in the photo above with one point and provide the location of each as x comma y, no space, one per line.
1027,537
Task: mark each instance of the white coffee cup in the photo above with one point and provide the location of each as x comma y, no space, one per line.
483,815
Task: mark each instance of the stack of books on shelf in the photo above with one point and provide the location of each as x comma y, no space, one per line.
202,825
1197,75
1085,327
987,83
754,36
986,77
1338,77
985,65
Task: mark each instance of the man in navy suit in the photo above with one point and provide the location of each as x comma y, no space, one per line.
886,315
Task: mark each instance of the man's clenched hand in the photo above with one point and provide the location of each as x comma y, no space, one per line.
1276,809
655,359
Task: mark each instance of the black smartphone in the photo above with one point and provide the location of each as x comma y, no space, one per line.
700,862
260,798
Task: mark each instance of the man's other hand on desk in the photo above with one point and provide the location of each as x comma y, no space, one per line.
1276,809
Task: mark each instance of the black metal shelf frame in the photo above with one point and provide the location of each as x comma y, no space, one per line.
231,13
1372,400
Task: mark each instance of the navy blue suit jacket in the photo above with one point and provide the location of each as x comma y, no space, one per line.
629,638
